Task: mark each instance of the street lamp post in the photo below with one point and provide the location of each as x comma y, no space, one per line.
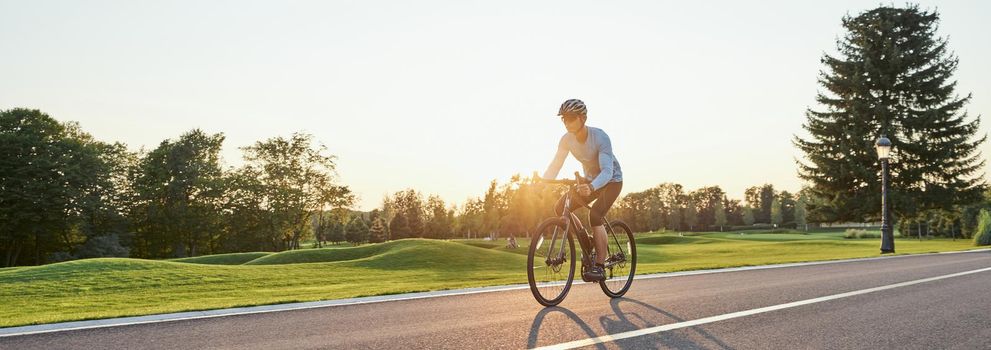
887,238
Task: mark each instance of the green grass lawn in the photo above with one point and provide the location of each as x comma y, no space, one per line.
103,288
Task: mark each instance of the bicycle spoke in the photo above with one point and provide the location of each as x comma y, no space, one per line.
552,268
620,261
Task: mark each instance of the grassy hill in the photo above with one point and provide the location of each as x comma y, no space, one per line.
113,287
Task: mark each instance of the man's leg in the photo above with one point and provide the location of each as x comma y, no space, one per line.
599,235
605,200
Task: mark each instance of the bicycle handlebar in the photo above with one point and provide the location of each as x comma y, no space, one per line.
578,180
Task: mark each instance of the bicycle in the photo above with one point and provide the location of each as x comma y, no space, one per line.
551,272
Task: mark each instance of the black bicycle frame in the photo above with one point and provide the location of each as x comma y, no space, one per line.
584,241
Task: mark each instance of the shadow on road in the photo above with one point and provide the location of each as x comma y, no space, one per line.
539,320
636,315
623,323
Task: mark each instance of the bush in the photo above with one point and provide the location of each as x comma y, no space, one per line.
857,234
60,257
105,246
982,236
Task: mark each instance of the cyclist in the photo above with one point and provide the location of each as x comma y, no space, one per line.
591,147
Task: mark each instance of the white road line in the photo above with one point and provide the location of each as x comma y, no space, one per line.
673,326
193,315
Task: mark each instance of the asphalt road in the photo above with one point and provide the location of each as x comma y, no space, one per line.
948,313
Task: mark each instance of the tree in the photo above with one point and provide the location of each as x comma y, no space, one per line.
787,207
656,216
691,215
520,199
399,227
299,180
720,215
800,213
776,214
892,77
490,205
102,246
982,235
451,218
105,203
734,212
377,233
337,232
661,206
638,210
706,199
748,216
320,228
438,223
469,220
759,198
674,218
57,189
409,204
245,218
357,231
387,213
969,214
179,189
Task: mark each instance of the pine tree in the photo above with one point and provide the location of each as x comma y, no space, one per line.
376,233
748,216
893,78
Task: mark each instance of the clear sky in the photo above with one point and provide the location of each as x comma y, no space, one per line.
445,96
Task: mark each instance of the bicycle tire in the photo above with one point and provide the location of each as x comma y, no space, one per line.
616,286
549,281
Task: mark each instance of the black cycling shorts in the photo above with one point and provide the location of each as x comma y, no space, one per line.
603,197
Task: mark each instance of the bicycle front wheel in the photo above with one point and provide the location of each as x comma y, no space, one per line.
551,262
621,261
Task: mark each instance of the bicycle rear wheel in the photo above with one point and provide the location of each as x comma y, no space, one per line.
551,262
621,261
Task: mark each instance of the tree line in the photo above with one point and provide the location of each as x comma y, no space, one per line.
65,195
669,206
516,207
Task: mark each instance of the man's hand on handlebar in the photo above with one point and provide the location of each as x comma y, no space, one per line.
580,184
585,190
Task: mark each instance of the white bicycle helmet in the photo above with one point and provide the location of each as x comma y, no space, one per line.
574,106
